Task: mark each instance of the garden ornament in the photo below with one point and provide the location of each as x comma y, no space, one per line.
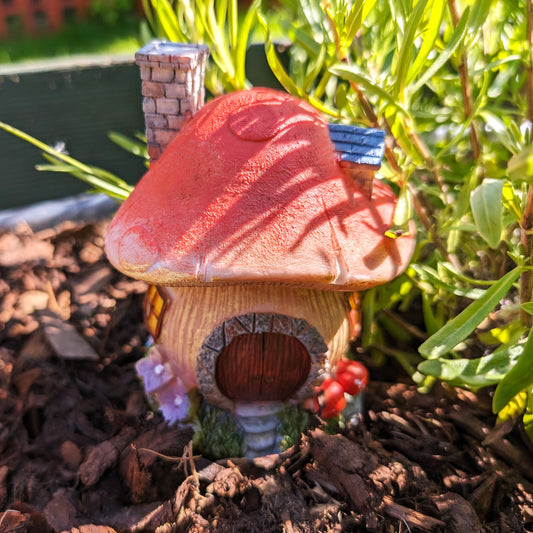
255,228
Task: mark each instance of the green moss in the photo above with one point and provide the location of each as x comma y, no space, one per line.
293,421
217,433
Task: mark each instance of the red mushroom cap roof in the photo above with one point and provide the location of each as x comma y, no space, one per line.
250,191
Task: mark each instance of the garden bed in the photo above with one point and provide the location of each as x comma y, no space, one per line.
81,451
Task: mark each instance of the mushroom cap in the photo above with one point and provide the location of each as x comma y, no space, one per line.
250,191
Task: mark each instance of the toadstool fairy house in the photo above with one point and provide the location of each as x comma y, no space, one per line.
255,228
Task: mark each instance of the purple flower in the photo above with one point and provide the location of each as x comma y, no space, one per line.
153,370
173,401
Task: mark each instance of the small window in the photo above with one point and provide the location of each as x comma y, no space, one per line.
155,305
354,314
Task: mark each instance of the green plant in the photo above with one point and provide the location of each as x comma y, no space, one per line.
452,84
99,179
216,433
111,12
217,24
292,422
75,37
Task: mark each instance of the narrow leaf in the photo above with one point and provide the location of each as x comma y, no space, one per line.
284,78
405,54
355,19
460,327
430,36
528,307
456,40
514,408
528,416
275,63
168,20
473,373
519,377
486,204
511,202
520,166
403,212
349,73
242,43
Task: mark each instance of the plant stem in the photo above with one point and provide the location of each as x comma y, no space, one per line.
530,65
423,213
466,88
526,279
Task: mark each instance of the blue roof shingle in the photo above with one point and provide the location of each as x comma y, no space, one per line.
363,146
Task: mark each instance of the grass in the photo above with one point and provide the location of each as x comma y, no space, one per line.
77,37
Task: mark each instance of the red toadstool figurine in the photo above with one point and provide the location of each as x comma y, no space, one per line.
252,235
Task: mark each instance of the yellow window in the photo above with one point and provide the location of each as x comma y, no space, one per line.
155,304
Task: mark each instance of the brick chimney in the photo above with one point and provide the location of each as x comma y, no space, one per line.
173,88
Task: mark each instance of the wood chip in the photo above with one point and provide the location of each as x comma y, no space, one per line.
410,516
71,454
16,250
458,513
60,512
104,456
65,340
4,471
90,529
91,283
503,447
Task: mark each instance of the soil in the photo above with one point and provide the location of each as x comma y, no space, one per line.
81,450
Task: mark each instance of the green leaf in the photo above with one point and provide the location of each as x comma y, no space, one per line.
302,37
219,44
283,77
168,20
486,204
478,17
430,36
528,416
518,378
511,202
100,179
350,73
403,213
528,307
514,408
473,373
455,41
134,147
315,67
433,279
431,321
506,334
460,327
405,54
520,166
355,19
242,43
459,275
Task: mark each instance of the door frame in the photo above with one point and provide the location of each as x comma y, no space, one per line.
224,333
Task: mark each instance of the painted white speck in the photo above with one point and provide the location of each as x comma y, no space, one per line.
159,369
178,400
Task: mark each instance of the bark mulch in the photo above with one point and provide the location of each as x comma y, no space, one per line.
81,451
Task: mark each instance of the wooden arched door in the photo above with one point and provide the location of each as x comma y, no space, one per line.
262,367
